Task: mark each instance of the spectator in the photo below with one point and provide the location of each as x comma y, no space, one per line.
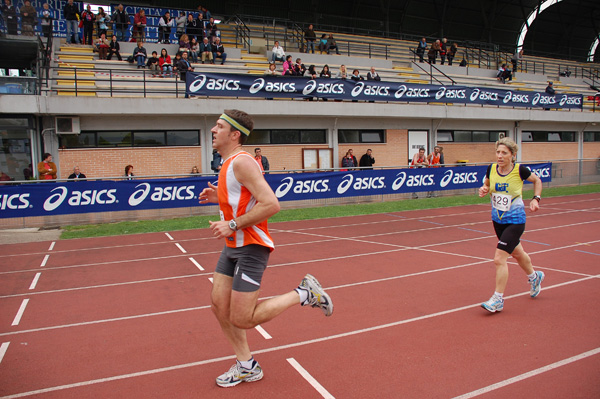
164,63
180,23
206,51
153,64
516,58
367,160
310,37
356,75
47,168
272,70
47,18
211,30
421,47
139,26
452,53
288,66
194,49
184,44
4,177
504,73
71,13
312,72
348,162
216,162
103,21
323,43
436,160
325,72
332,45
176,62
121,23
140,55
443,50
219,50
88,19
103,45
419,161
566,73
165,23
433,52
342,73
262,160
28,18
114,48
299,68
10,17
550,89
76,174
193,27
195,171
183,66
277,53
372,75
204,12
129,172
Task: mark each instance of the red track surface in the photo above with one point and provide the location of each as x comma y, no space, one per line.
130,316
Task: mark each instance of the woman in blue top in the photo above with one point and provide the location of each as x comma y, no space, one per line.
504,183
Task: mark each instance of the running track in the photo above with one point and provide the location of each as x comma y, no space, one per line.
129,316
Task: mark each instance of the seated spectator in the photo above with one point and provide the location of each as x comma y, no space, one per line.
184,44
323,43
356,75
165,23
373,75
332,45
153,64
219,50
102,19
102,44
421,47
504,73
206,51
138,31
47,169
76,174
288,66
140,55
129,172
194,49
211,29
176,63
114,48
566,73
550,89
165,64
193,27
195,170
325,72
310,37
47,18
299,68
277,53
342,73
272,70
28,18
312,73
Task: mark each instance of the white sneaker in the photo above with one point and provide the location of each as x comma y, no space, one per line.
237,374
317,297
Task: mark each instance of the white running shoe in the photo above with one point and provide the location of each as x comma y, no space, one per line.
494,304
536,284
237,374
317,297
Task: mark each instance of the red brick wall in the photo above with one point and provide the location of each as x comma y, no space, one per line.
548,151
591,149
473,152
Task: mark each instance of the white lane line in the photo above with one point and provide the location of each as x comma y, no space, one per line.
305,374
529,374
262,332
3,349
181,248
52,246
197,264
169,236
17,319
210,279
35,281
45,260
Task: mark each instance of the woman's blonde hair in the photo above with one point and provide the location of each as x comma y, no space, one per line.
508,143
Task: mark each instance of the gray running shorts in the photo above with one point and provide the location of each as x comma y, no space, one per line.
246,265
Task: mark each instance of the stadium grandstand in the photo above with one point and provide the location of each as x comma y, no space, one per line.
61,98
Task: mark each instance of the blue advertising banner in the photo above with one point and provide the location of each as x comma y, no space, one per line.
106,196
233,85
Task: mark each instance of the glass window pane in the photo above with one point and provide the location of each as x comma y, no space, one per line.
444,136
313,136
568,136
526,136
183,137
462,136
114,139
259,136
495,136
348,136
553,136
371,137
540,136
149,139
84,139
481,137
285,136
588,136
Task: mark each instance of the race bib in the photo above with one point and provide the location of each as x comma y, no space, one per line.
501,202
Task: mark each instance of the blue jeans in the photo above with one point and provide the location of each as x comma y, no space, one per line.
223,57
141,61
121,34
73,29
311,44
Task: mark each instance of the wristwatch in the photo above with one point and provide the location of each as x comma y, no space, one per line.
233,225
537,197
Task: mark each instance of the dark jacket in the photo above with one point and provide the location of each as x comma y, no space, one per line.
71,11
121,19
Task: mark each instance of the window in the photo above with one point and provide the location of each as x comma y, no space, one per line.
548,137
361,136
158,138
591,136
468,136
287,136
